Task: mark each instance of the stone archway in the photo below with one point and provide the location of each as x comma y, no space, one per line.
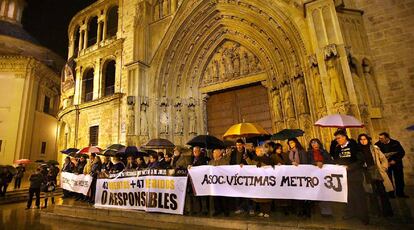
202,38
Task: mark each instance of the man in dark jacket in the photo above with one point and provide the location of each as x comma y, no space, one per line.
347,153
179,161
394,153
36,181
5,178
69,167
199,159
237,154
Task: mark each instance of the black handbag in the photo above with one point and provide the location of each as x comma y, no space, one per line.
373,171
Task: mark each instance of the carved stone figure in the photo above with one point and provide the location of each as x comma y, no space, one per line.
334,81
192,129
228,63
179,121
372,87
236,62
164,120
276,105
317,88
244,62
252,63
216,70
358,85
303,105
144,120
288,102
222,67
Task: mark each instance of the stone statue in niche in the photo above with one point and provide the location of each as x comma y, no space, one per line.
164,120
192,129
358,84
144,119
288,102
318,91
179,121
276,105
335,87
372,87
303,105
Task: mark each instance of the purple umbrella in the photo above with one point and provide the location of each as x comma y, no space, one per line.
339,121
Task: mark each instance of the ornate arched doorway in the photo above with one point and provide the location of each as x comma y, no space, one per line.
216,45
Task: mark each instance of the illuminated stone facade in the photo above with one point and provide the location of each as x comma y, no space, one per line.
167,56
29,91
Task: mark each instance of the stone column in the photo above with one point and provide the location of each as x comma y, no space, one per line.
97,80
78,87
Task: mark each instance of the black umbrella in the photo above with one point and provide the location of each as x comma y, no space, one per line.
112,150
159,143
131,151
52,162
206,141
287,134
69,151
148,151
410,128
9,168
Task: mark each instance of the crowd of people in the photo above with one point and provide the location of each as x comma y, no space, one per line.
374,171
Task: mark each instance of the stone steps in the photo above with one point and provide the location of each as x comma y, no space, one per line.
22,195
167,221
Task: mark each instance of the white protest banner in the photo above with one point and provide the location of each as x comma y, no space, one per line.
75,183
149,193
303,182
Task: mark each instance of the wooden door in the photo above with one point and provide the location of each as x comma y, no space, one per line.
248,104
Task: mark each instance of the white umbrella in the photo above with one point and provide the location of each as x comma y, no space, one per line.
339,121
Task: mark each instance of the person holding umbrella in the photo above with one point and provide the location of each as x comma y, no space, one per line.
141,164
80,167
19,175
131,163
348,153
5,178
220,204
95,169
199,159
69,167
107,164
178,160
50,187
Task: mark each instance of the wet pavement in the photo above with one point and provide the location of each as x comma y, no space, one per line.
14,216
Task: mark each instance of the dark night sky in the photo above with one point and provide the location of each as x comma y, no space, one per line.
48,21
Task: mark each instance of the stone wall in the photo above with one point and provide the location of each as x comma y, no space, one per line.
390,30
